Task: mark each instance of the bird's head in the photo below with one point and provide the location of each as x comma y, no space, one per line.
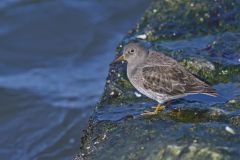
133,52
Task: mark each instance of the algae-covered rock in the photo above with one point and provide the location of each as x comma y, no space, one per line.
204,36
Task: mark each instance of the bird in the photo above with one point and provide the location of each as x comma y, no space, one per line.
159,76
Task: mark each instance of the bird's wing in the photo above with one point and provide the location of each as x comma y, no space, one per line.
156,58
172,80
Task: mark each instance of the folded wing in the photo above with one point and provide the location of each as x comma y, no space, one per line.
173,80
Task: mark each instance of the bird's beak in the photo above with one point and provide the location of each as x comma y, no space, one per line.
120,58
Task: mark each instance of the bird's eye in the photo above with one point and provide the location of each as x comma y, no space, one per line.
132,50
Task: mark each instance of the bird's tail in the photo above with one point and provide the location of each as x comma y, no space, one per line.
211,94
208,90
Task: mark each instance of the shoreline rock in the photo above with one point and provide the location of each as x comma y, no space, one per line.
204,36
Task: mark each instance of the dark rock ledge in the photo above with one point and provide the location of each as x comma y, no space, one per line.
204,36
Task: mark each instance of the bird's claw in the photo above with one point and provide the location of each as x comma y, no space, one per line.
158,109
148,113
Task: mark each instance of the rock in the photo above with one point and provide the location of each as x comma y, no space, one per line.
204,36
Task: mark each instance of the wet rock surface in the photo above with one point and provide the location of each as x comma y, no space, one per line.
204,36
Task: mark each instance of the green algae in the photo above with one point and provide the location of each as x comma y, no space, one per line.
219,74
235,120
177,19
233,103
125,84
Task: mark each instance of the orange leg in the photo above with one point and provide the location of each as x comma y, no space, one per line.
156,111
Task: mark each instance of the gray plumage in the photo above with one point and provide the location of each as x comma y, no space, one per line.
160,77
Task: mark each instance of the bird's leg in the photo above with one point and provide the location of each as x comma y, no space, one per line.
157,109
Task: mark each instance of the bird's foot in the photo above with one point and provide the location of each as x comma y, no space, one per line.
148,113
158,109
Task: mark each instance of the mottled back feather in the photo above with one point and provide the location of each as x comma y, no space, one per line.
164,75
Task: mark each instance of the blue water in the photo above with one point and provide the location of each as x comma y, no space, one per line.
54,58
